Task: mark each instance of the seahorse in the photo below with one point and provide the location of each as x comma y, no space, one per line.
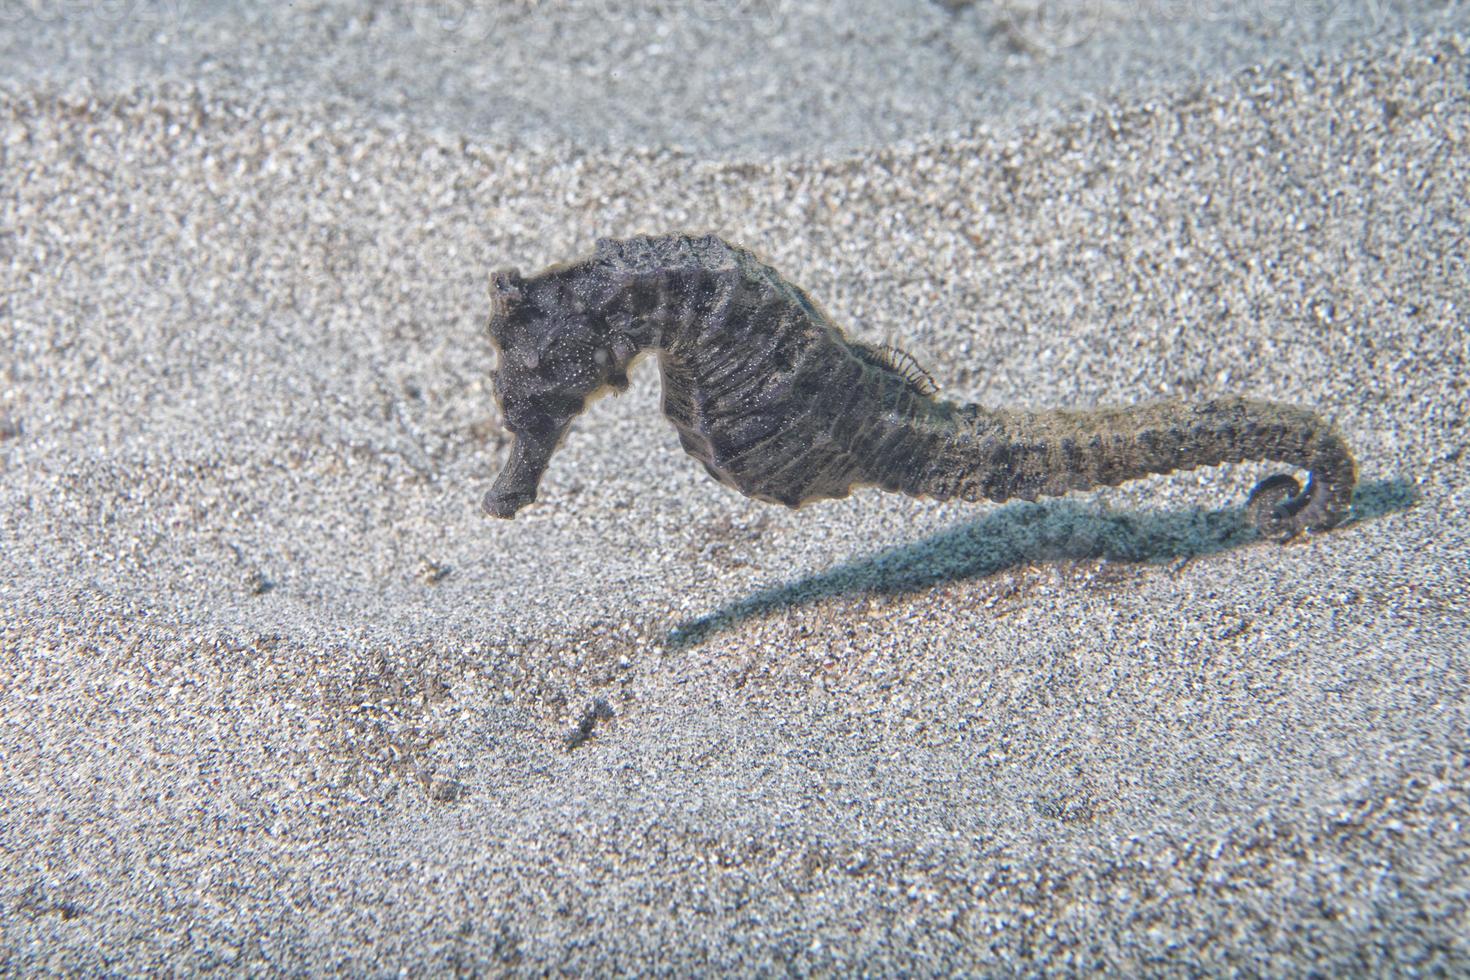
779,403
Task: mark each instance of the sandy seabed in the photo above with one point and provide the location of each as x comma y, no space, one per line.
276,697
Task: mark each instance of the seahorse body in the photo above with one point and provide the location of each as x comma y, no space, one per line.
778,403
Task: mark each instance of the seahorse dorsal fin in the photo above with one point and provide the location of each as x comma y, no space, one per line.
902,363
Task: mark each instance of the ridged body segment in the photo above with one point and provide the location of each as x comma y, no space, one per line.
778,403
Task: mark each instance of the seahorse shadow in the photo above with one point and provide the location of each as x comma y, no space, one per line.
1019,534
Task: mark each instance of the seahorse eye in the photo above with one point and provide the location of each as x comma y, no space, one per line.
506,298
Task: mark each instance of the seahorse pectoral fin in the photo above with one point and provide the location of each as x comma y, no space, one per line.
516,485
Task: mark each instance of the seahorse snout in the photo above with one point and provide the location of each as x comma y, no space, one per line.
516,486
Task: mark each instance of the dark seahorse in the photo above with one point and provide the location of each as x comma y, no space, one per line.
778,403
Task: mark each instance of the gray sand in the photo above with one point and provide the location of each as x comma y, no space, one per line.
734,77
275,696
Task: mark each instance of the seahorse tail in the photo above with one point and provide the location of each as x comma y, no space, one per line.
1001,455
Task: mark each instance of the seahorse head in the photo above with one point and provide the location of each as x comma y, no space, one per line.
554,351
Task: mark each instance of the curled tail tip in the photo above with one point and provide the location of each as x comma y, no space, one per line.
1278,507
1273,505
